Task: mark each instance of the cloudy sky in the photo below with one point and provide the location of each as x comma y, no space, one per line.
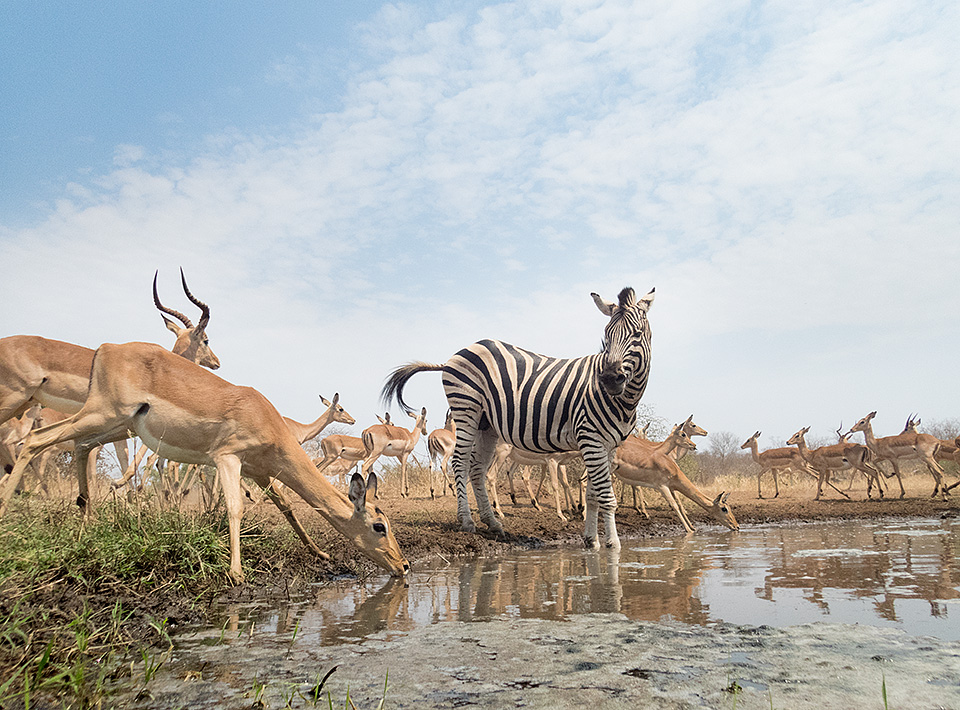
352,185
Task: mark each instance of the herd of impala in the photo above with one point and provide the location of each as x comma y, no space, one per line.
55,395
908,445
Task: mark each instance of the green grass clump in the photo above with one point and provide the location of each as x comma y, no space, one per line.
137,546
76,596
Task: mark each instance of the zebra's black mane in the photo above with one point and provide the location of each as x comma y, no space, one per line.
627,297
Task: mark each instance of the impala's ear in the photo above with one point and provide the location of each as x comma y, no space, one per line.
336,398
359,490
171,326
324,400
606,307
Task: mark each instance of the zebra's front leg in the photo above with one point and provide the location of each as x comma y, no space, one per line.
600,495
590,539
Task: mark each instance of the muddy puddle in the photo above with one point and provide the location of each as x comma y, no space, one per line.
807,615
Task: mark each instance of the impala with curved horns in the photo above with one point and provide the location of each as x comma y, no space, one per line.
56,374
188,414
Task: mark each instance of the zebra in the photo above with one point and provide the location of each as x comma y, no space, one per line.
545,405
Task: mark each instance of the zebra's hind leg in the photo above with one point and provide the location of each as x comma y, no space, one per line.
467,418
480,460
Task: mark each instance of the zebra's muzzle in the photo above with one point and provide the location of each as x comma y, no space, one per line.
613,380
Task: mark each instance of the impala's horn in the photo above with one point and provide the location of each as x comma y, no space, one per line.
205,317
169,311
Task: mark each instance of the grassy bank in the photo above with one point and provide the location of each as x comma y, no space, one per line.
85,605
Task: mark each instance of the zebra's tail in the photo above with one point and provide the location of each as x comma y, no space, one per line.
393,388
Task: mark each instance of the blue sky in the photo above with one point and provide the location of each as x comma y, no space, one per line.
354,185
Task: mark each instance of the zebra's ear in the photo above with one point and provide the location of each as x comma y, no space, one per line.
606,307
647,300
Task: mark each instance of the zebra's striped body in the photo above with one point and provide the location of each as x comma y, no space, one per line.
545,405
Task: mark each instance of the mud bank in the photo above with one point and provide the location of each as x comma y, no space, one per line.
600,660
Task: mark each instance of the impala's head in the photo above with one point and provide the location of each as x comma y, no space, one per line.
863,424
841,436
690,428
369,529
339,413
683,440
751,441
626,339
798,437
421,420
721,512
192,342
912,426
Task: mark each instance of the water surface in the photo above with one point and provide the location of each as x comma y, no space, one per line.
900,574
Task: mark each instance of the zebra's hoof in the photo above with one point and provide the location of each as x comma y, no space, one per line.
593,544
468,526
494,526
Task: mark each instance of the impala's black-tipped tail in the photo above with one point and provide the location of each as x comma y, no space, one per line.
393,387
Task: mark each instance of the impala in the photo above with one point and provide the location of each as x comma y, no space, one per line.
12,434
776,461
56,374
554,465
339,446
641,465
188,414
690,429
905,446
440,445
836,457
389,440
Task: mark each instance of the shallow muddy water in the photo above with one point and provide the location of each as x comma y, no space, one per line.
902,574
799,616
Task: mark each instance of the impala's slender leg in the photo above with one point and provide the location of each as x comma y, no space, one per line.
274,494
102,425
677,508
554,479
229,467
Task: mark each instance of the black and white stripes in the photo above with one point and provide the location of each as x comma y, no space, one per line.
545,405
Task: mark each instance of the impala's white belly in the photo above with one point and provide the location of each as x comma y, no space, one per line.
174,435
394,449
174,453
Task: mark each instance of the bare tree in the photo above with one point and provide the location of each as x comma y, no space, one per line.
722,449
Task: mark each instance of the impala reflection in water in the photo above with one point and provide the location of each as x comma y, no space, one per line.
903,574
